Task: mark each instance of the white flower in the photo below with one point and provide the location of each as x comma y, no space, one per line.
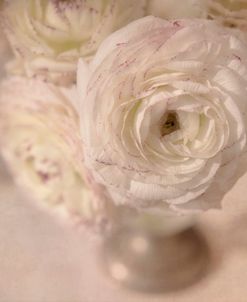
173,9
230,13
40,140
163,114
48,36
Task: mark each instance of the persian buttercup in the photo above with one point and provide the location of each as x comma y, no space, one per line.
40,140
163,113
231,13
48,36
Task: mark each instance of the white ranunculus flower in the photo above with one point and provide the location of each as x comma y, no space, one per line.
173,9
231,13
163,113
40,140
48,36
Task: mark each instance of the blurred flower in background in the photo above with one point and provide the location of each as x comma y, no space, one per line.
230,13
48,36
39,139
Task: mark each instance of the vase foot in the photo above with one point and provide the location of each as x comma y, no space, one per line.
155,263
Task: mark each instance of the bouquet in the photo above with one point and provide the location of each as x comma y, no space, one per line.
116,105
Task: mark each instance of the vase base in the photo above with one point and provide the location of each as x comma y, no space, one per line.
155,263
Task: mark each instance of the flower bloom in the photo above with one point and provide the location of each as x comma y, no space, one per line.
231,13
48,36
40,140
172,9
163,113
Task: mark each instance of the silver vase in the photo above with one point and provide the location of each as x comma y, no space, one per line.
154,253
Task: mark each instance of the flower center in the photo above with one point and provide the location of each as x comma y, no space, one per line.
171,124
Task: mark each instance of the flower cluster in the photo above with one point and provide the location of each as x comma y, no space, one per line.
106,109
